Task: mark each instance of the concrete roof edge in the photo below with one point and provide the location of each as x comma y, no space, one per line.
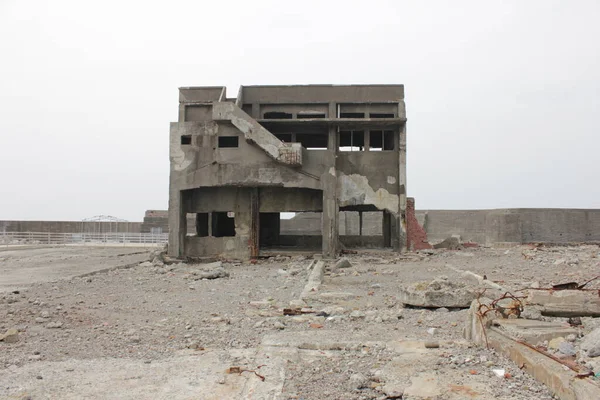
328,85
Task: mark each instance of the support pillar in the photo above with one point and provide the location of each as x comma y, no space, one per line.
177,224
331,209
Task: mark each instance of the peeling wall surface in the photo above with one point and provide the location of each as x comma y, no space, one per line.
273,149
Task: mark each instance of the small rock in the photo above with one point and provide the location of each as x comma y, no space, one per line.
571,338
567,348
11,336
358,381
575,321
555,343
594,351
442,309
135,339
356,314
433,331
432,345
278,325
54,325
45,314
146,264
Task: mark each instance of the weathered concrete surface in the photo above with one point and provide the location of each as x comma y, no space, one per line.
532,331
437,293
516,225
566,303
191,374
20,268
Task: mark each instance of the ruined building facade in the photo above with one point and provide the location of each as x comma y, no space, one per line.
237,163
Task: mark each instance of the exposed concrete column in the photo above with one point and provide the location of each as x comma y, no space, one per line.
331,209
402,190
177,223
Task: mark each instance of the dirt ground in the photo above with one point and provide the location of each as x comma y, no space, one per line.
155,331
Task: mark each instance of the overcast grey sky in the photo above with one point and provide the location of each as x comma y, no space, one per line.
502,96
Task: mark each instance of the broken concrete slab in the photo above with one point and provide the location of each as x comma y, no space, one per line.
438,293
560,380
566,303
532,331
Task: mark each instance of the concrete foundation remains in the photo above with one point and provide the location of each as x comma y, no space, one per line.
238,163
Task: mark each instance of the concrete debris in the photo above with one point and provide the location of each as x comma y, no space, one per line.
342,263
210,271
146,264
10,336
438,293
591,340
451,243
566,303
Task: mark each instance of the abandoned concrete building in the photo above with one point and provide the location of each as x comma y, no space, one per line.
237,164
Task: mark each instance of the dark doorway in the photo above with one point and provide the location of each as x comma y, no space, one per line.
269,229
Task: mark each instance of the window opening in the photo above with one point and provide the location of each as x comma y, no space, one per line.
381,115
309,115
352,115
223,224
186,139
277,115
352,140
228,141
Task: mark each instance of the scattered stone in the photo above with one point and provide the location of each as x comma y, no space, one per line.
278,325
54,325
45,314
11,336
146,264
432,345
442,309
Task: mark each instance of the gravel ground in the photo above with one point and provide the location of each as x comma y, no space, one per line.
365,344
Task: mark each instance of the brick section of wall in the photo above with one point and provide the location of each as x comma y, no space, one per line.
416,237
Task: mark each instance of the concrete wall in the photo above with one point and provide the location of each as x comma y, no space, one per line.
517,225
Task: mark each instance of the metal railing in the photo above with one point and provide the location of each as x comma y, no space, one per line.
82,238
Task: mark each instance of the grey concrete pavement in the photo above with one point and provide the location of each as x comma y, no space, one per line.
22,267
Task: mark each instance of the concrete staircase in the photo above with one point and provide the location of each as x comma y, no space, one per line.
285,153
